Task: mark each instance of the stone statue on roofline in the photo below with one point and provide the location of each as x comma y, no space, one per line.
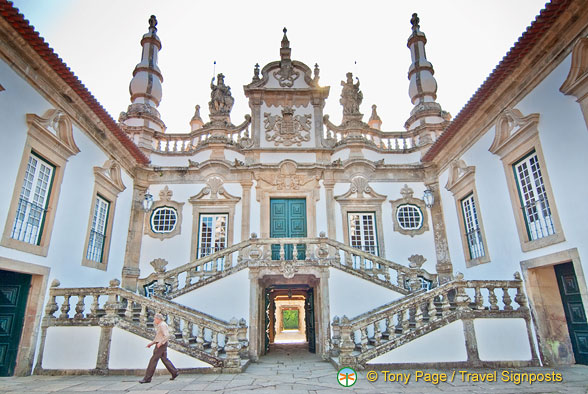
221,101
351,96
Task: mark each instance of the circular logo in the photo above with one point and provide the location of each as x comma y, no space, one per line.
346,377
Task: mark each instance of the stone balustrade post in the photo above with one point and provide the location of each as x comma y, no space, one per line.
461,298
233,359
336,339
112,305
347,344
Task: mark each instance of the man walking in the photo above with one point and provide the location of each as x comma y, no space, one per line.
160,352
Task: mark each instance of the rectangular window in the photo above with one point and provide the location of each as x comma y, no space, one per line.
212,237
33,201
535,204
97,240
362,235
472,227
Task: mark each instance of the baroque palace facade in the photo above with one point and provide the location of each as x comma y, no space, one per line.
452,242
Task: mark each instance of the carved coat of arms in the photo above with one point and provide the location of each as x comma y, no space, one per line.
288,129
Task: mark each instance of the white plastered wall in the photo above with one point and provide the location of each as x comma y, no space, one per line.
71,348
502,339
563,136
129,351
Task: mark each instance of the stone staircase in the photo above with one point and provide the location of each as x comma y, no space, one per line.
222,344
376,332
256,252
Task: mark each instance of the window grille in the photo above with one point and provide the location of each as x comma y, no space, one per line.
362,235
98,230
535,204
409,217
212,238
472,227
163,220
33,201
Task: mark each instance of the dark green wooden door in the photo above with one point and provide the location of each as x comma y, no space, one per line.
574,310
14,290
309,309
287,220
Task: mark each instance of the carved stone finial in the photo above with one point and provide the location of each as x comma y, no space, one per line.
153,23
256,72
196,112
406,192
351,96
414,21
316,72
114,283
159,265
374,115
165,194
517,276
55,283
322,234
459,276
253,236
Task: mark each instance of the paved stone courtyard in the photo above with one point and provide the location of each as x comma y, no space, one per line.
288,369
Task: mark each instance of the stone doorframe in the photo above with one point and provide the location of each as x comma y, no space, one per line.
555,346
33,311
262,277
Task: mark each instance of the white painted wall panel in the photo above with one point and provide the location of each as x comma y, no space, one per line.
71,347
445,344
502,339
129,351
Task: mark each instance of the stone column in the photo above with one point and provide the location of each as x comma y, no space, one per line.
246,210
444,267
329,184
471,342
325,319
104,348
130,271
255,298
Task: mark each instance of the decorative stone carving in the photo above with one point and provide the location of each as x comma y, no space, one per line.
109,175
288,129
221,100
159,265
351,96
57,128
288,269
416,261
360,190
287,179
408,199
165,200
511,128
458,171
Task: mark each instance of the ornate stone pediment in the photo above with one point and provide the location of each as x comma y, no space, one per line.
214,191
458,171
576,82
287,178
288,129
109,175
512,128
408,199
54,129
359,191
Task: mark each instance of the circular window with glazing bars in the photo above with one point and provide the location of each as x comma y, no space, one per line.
409,217
163,220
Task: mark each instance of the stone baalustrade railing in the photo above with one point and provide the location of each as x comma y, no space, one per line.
289,255
386,141
214,341
356,341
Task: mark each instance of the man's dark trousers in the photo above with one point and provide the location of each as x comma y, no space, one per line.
159,353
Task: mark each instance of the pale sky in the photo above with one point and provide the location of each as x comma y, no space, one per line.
100,42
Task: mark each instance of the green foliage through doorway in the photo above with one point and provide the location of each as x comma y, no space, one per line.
290,319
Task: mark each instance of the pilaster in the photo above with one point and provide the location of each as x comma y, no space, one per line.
130,271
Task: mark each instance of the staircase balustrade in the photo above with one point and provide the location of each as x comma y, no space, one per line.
215,341
358,340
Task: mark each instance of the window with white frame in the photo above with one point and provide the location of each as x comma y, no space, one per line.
212,237
95,251
472,229
163,220
33,200
409,217
534,202
362,232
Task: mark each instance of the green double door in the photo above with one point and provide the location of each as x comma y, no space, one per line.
14,290
287,220
574,310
